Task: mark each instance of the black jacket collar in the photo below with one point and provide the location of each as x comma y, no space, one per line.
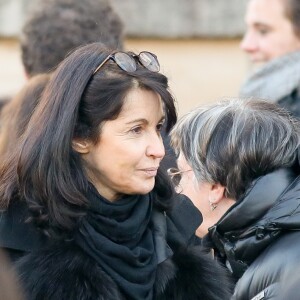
257,219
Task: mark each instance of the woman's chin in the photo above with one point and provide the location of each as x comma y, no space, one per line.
145,187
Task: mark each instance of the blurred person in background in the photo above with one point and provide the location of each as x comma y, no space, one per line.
17,113
88,168
17,235
3,101
9,285
239,164
272,41
54,28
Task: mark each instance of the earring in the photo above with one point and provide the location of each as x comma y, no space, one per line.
213,206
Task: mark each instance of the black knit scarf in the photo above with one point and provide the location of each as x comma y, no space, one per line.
119,237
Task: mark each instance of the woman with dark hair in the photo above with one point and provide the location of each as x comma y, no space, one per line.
239,164
88,169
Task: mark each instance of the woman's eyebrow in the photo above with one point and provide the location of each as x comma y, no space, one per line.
140,120
143,120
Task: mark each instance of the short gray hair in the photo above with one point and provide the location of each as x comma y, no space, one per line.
236,141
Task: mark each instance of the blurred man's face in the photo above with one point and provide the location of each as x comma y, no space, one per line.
269,32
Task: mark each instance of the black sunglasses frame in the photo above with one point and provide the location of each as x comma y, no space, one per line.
132,58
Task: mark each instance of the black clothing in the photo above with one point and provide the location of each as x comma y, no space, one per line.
291,103
18,236
119,238
258,237
289,285
66,272
77,270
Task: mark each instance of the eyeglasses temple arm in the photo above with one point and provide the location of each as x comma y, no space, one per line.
105,60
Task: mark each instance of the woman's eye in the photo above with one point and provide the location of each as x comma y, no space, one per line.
136,130
159,126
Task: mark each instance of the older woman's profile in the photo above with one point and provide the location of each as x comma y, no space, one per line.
239,164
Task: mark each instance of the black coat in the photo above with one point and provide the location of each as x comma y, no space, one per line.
18,236
259,236
64,271
289,285
291,102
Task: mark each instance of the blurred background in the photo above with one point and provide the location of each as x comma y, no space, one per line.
196,41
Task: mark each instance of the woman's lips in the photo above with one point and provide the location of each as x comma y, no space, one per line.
150,171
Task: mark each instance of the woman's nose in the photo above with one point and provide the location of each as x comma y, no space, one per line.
155,146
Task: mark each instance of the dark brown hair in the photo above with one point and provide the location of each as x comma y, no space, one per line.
50,174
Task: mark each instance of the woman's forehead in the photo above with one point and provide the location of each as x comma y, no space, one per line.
140,103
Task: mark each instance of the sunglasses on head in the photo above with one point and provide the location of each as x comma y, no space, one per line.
128,62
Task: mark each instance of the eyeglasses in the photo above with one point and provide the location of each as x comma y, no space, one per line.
175,175
128,62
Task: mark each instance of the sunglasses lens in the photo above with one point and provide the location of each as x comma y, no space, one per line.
125,62
149,61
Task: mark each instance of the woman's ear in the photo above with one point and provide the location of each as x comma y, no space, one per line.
81,146
217,193
218,201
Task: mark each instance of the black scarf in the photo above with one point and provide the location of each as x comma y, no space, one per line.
119,237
